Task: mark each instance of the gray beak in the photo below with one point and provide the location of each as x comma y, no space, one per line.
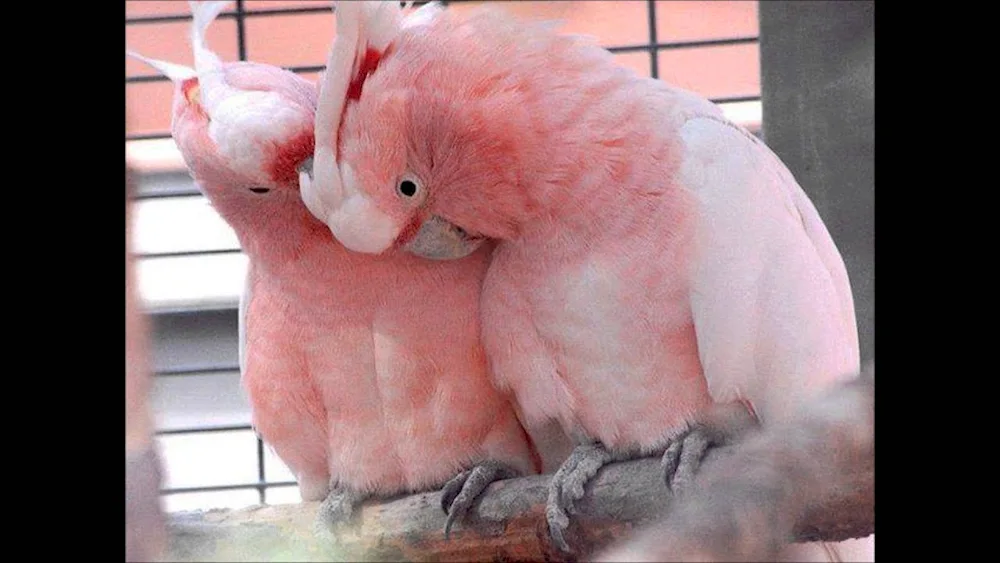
438,239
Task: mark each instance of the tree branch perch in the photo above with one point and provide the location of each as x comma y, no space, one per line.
811,478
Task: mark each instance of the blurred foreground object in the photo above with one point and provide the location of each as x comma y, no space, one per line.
144,522
816,471
809,479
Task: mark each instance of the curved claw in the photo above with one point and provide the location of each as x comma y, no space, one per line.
555,514
451,490
721,425
558,521
682,458
462,490
568,486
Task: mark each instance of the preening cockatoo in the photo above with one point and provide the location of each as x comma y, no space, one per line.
366,374
657,268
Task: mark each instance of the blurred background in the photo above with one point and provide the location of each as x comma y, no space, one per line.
800,75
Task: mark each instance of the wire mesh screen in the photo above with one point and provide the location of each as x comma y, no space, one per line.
190,264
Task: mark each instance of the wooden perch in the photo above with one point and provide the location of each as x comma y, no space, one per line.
828,455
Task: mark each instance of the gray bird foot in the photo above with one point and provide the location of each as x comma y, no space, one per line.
682,458
462,490
337,510
722,425
567,487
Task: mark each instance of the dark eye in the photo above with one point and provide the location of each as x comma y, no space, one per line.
408,188
260,190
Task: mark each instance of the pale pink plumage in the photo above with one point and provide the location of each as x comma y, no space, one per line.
653,259
364,372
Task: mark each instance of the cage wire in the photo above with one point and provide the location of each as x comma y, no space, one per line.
172,320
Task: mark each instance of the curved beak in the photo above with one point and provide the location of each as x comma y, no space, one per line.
439,239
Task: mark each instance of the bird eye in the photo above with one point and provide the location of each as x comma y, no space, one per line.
260,190
408,188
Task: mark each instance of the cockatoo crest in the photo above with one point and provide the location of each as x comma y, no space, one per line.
209,87
212,87
175,72
365,32
246,120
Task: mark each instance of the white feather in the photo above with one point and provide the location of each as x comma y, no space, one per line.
422,15
175,72
242,119
203,14
239,119
323,193
381,24
360,25
214,89
772,310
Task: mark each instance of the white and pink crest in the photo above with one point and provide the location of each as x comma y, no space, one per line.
365,33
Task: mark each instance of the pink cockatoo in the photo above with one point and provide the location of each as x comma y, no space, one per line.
366,375
657,267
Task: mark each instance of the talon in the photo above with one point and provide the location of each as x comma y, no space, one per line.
451,490
568,486
721,425
558,521
692,452
461,491
682,458
669,461
556,517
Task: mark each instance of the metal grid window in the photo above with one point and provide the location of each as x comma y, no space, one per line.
190,265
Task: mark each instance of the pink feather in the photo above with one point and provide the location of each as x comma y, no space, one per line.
653,258
362,371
